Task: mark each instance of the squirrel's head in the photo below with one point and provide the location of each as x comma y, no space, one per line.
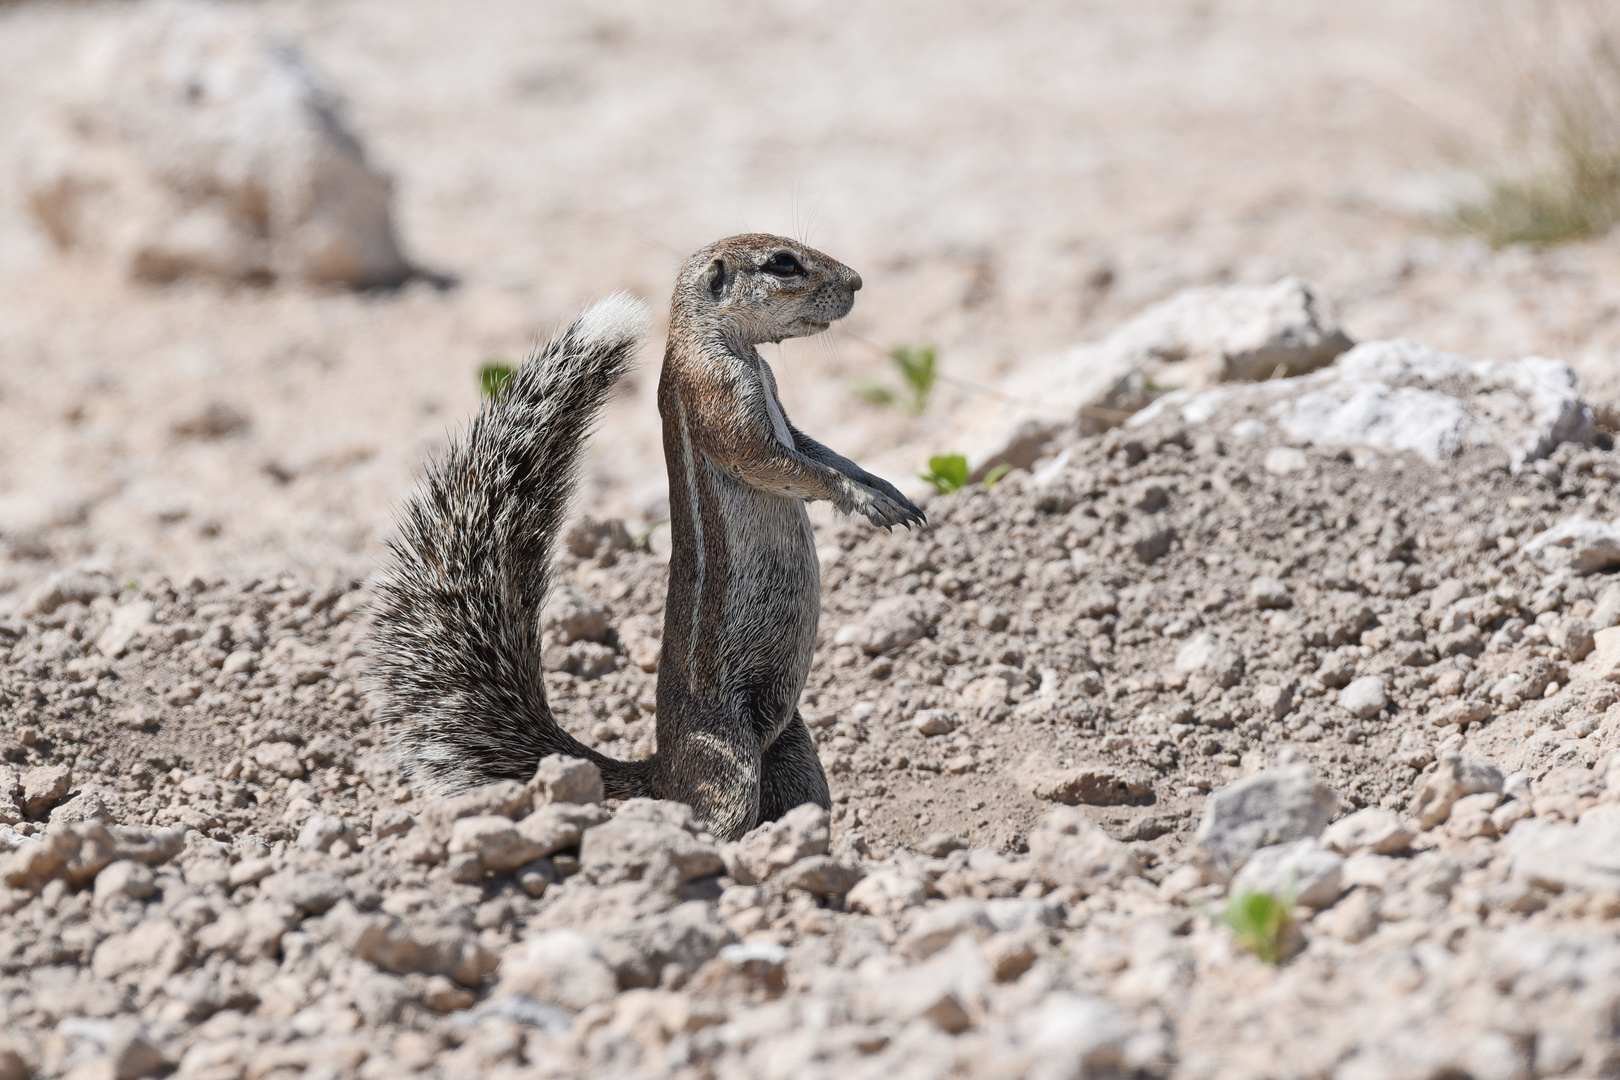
763,288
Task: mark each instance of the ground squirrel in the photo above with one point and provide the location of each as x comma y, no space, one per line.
457,640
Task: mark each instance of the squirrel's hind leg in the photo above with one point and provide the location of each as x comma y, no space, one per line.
791,773
738,787
713,767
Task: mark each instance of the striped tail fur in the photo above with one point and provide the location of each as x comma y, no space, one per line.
456,675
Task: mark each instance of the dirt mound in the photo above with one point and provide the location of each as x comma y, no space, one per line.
1024,710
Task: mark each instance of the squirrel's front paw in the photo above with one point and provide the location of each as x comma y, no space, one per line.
880,503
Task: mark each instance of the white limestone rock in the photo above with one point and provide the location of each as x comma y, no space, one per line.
1398,396
1198,337
1364,697
189,142
1558,855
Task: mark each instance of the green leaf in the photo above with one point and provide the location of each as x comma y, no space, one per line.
947,472
995,474
493,377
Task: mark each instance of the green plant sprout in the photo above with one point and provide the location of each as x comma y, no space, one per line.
493,376
1260,923
918,368
949,472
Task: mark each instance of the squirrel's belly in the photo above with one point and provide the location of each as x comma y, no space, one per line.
773,604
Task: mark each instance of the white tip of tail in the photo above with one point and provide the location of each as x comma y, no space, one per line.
620,319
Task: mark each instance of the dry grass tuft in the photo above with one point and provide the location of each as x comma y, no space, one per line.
1564,63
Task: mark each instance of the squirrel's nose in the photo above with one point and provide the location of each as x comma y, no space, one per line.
854,282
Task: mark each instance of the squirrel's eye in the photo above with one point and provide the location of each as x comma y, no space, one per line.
783,265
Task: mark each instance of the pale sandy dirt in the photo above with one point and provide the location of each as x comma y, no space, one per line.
1009,182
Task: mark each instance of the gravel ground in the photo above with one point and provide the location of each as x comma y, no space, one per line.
1026,709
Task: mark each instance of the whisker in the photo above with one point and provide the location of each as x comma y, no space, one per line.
829,348
870,344
815,220
657,244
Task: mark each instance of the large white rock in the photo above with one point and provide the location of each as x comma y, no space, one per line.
188,142
1196,338
1235,333
1398,396
1196,653
1364,697
1372,828
561,967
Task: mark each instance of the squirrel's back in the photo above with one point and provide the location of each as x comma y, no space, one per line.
457,680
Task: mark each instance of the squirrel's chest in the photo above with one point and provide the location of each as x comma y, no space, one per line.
770,554
763,579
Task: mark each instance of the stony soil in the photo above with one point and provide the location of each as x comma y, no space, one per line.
241,885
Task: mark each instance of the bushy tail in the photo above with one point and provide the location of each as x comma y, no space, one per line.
456,649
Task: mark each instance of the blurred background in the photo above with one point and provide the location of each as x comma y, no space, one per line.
255,256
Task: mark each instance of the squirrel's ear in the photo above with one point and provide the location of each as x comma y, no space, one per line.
717,277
